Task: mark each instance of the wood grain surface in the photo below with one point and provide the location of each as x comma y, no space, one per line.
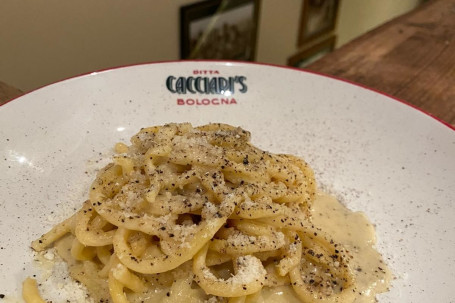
8,92
411,57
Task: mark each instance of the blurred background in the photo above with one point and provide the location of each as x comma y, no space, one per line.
45,41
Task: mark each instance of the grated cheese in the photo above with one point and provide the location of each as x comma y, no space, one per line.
56,283
250,269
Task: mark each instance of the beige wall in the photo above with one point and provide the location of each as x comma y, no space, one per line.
278,30
359,16
43,41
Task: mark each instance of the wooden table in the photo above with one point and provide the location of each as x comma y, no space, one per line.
411,57
8,92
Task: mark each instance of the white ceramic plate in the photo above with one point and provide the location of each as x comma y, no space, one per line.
378,155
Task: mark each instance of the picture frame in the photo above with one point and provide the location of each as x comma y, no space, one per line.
310,54
219,29
318,18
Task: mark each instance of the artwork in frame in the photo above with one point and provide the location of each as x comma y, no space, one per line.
309,55
318,18
219,29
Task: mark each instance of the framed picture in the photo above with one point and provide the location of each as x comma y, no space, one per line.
317,19
219,29
312,53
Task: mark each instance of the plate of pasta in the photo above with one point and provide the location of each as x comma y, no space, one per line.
201,181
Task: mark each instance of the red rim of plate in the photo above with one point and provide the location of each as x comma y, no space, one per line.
251,63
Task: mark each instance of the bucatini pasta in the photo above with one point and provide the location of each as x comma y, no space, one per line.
199,214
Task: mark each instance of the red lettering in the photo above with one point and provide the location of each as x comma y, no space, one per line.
205,72
206,101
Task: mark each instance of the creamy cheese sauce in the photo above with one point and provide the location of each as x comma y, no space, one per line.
357,234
